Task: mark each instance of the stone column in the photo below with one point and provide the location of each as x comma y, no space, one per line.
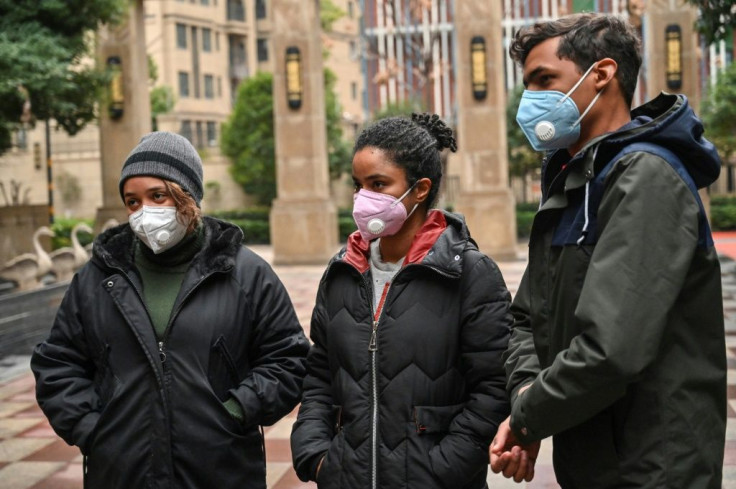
659,15
119,135
303,218
484,197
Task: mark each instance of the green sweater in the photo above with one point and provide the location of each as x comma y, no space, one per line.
162,276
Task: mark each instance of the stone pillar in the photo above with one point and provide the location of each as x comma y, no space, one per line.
485,197
660,14
119,135
303,218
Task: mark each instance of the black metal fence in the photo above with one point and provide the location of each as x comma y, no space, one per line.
26,318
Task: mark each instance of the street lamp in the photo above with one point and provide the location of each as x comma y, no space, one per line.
478,74
294,90
117,95
673,39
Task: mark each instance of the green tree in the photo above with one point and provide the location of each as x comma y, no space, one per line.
162,96
339,151
718,111
403,108
43,73
248,137
522,158
717,18
328,14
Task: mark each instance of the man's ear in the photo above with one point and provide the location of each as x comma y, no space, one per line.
604,72
422,188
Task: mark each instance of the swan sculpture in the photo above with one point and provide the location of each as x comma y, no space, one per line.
80,253
110,223
26,269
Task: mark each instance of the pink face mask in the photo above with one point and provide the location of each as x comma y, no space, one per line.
378,215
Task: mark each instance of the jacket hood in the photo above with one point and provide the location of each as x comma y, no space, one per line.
438,244
670,122
115,247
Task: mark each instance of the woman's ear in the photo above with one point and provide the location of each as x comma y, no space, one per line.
422,188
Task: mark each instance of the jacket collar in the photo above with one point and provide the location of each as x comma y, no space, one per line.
115,247
438,244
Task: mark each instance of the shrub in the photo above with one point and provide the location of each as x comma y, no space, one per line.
62,228
723,213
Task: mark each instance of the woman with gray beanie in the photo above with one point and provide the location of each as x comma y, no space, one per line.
174,344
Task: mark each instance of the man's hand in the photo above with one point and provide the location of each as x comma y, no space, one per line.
511,458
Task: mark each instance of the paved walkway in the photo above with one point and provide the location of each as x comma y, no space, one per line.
32,457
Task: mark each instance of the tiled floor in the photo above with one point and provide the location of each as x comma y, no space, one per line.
32,457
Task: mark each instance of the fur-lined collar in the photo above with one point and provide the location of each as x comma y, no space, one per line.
115,247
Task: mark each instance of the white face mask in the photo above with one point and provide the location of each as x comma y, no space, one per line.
158,227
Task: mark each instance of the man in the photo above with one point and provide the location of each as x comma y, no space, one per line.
618,347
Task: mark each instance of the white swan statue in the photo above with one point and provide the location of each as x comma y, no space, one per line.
110,223
26,269
80,253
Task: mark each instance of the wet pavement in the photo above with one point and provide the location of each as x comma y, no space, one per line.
33,457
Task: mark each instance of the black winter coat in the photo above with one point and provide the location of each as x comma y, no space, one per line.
420,408
149,414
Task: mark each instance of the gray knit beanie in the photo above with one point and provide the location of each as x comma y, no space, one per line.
168,156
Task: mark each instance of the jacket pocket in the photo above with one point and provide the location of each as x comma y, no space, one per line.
222,373
105,381
329,475
435,419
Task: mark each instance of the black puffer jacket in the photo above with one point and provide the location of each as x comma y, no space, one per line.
151,415
421,409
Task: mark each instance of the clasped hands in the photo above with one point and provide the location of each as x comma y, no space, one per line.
509,456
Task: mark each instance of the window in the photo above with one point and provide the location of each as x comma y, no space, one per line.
350,10
217,41
206,39
353,50
211,133
262,50
186,130
183,84
354,90
209,86
219,86
235,10
260,9
200,135
181,36
205,2
20,138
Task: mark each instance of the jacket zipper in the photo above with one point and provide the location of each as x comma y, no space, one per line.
174,313
373,348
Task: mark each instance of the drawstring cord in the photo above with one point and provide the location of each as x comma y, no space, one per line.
584,234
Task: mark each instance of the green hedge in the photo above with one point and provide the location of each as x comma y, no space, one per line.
255,224
256,227
723,213
62,228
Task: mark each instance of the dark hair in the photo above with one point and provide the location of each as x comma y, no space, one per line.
585,39
413,144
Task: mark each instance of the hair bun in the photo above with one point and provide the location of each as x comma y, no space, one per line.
438,129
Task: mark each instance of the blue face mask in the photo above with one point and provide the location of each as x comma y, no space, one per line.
550,119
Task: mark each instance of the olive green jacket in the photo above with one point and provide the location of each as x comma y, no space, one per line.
619,316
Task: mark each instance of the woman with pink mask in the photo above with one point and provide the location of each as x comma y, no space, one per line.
405,380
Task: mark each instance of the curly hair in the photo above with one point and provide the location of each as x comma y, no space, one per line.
413,144
584,39
185,204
